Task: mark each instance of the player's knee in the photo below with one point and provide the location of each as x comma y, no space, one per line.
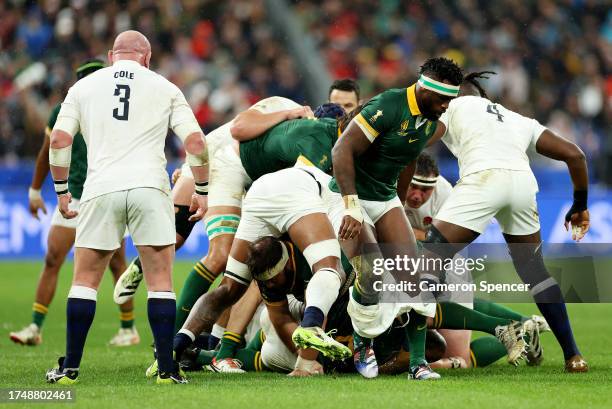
117,264
529,263
435,346
181,220
325,253
54,258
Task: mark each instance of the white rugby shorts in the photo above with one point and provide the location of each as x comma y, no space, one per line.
147,213
507,195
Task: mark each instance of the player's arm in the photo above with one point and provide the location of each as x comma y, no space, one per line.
352,143
404,181
283,322
41,169
556,147
60,149
438,134
251,123
186,127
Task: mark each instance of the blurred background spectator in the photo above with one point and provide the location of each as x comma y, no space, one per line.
553,58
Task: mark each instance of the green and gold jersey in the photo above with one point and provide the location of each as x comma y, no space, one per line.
393,122
311,140
78,162
299,274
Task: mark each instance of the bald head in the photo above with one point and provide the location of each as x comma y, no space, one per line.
131,45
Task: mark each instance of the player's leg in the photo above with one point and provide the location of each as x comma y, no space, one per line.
216,334
127,334
313,234
457,343
102,222
221,226
396,235
511,333
528,261
241,314
59,243
150,219
127,284
209,307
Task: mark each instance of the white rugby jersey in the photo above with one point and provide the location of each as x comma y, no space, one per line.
421,218
124,112
485,135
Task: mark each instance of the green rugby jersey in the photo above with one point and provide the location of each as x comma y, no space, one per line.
311,140
393,122
78,161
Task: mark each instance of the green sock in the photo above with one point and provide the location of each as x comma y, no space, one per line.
39,312
454,316
416,330
197,283
205,357
127,319
257,341
250,358
229,344
497,310
486,350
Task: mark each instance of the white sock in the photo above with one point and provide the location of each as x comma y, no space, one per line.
323,289
217,331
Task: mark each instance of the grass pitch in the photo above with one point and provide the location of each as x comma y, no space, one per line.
114,377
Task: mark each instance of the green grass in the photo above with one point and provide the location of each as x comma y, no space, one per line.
114,378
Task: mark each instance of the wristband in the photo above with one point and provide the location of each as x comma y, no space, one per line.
201,188
34,194
579,205
352,207
61,187
305,364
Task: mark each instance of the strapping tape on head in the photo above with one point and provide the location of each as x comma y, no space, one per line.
277,268
424,180
441,88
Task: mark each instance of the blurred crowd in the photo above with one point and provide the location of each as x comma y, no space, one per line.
553,58
224,55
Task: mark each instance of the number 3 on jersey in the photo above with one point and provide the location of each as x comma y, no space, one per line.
125,99
492,109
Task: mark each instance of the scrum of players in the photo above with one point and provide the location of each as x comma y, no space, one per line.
290,198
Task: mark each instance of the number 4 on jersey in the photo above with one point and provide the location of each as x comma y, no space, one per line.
125,99
492,109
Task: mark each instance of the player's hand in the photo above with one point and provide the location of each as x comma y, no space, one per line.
352,220
62,204
36,203
301,112
349,229
199,205
176,175
312,368
580,224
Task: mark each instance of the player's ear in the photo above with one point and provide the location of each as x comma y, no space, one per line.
110,57
147,59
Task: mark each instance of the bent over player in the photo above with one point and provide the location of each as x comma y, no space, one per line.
124,112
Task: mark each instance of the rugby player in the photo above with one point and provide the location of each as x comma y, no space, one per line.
344,92
299,209
490,143
62,232
227,183
124,112
373,160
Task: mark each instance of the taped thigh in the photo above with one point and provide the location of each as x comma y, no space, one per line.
221,224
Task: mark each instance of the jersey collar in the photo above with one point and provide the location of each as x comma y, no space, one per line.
412,102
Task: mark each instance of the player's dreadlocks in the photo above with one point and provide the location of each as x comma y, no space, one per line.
344,120
426,165
473,78
443,69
